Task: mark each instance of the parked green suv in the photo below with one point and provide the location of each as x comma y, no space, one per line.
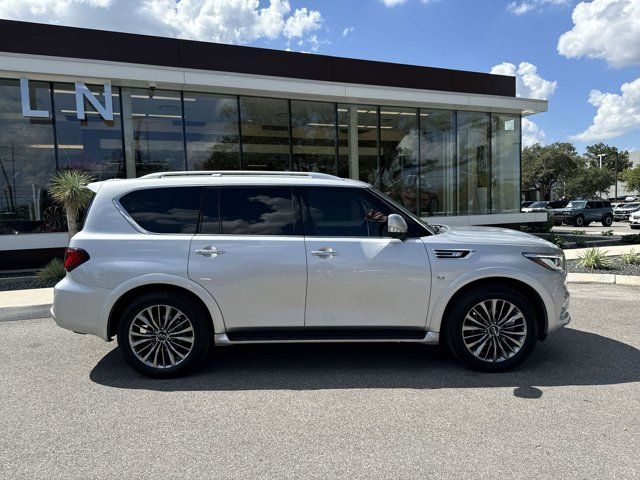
582,212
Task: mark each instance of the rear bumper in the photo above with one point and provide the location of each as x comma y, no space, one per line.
77,307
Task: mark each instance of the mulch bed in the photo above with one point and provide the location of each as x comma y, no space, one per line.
619,268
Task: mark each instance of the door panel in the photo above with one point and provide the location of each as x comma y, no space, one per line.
259,281
367,282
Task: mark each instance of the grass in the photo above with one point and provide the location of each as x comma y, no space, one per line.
633,238
595,259
607,233
557,240
631,257
52,272
578,232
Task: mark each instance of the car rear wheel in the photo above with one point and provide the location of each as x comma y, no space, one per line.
607,221
163,335
493,329
578,221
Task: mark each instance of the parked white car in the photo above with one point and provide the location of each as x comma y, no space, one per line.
173,263
634,220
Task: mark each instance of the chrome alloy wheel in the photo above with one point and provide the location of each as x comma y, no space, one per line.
161,336
494,330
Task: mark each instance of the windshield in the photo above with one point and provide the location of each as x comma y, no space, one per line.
631,205
575,204
413,216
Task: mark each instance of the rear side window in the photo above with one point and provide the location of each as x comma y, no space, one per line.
254,211
164,210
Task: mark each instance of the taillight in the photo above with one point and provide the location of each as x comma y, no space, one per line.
74,257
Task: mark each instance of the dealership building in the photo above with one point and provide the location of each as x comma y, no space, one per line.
444,143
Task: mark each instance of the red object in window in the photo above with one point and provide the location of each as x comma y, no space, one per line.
74,257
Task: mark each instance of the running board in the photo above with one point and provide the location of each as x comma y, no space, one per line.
323,335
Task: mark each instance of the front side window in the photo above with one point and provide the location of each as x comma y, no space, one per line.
256,211
345,212
164,210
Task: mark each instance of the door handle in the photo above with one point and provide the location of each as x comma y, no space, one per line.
324,252
211,252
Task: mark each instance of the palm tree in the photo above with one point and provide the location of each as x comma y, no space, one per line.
69,188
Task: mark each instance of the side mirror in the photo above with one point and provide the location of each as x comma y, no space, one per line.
396,226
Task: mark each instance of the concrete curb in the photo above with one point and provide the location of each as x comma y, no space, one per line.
604,278
26,298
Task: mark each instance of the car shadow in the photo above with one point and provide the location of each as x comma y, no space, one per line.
569,357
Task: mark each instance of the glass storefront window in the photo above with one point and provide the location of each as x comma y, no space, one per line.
399,170
27,161
313,136
358,143
474,168
437,163
211,130
505,163
153,130
94,144
265,133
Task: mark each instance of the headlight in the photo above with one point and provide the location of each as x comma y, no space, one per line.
555,262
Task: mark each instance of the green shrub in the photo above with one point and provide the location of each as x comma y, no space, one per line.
595,259
581,244
52,272
557,240
633,238
631,257
607,233
578,232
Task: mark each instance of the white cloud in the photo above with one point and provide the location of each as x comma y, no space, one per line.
617,114
226,21
392,3
532,133
347,31
605,29
529,84
526,6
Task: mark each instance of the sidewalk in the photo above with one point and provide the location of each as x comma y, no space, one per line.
26,298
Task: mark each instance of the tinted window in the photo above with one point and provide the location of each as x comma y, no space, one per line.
210,223
164,210
343,212
256,211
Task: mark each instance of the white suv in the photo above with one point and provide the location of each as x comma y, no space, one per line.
172,263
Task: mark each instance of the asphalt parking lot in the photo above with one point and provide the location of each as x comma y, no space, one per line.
70,408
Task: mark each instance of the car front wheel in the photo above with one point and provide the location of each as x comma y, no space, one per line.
493,329
607,221
163,335
578,221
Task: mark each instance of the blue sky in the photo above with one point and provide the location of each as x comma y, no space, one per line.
600,52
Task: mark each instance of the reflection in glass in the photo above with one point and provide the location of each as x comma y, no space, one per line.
93,144
399,173
211,128
265,133
437,163
474,169
27,160
313,136
358,143
256,211
153,129
505,161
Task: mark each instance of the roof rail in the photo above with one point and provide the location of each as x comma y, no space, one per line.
238,173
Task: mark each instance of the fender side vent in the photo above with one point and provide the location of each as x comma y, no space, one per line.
452,253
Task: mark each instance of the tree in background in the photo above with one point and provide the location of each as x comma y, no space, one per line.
546,167
69,188
631,178
588,180
609,160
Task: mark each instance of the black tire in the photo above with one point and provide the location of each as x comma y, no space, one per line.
586,224
578,221
202,334
454,334
607,221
